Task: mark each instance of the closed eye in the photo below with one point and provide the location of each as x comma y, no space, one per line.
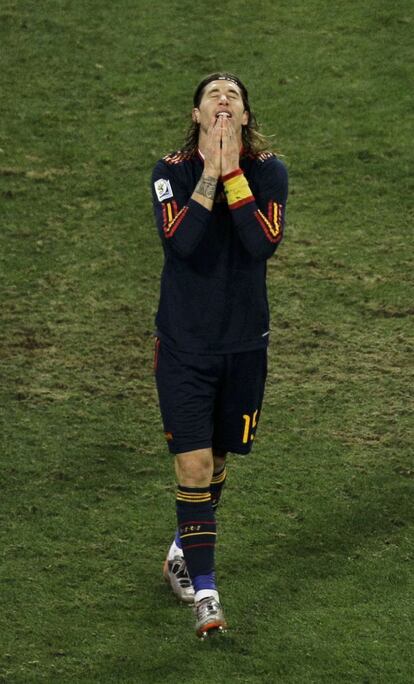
215,92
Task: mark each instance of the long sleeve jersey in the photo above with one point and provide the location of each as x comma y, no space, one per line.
213,297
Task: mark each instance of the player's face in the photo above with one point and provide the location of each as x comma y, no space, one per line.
218,97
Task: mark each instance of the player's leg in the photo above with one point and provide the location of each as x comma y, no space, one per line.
175,567
217,482
193,472
195,468
186,429
187,387
195,517
197,529
238,405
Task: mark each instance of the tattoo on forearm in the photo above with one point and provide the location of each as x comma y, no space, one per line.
206,186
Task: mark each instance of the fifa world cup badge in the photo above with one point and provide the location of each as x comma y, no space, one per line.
163,189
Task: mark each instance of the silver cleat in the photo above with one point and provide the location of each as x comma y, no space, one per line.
209,618
176,574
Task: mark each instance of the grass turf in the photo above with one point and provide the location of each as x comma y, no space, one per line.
92,95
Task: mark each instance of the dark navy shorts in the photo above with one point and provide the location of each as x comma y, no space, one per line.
210,400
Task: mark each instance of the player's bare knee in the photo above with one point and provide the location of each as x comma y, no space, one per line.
194,468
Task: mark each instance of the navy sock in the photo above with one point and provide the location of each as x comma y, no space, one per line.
197,531
216,486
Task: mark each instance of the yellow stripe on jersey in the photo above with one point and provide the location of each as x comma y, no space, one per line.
277,218
274,225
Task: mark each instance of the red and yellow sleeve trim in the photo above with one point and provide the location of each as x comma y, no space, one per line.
272,225
172,217
237,189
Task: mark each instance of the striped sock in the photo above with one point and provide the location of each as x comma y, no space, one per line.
216,486
197,530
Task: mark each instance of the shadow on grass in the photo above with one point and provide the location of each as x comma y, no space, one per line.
352,522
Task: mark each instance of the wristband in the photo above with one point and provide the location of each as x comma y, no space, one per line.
237,189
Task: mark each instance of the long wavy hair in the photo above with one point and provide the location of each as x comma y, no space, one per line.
253,141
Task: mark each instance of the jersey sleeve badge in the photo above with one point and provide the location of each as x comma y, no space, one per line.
163,189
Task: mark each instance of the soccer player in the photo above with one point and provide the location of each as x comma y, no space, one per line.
219,204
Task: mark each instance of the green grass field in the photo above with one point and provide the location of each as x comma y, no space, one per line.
316,527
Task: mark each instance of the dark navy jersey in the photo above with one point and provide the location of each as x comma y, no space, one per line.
213,286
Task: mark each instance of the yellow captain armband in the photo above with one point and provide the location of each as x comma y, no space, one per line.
237,189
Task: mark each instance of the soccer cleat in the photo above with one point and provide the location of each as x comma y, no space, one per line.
209,617
176,574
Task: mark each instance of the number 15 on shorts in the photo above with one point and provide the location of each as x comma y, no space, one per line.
250,423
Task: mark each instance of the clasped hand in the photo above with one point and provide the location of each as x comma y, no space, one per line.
222,149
